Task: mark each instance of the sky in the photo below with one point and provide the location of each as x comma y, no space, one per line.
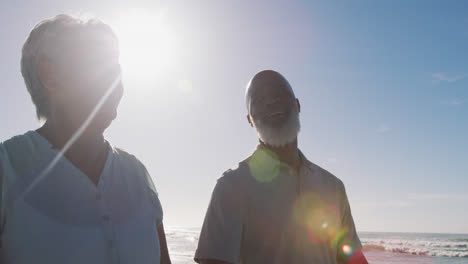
383,87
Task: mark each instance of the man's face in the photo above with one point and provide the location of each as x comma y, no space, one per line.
272,103
92,70
274,111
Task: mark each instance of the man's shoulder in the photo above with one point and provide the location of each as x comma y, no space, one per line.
236,174
323,175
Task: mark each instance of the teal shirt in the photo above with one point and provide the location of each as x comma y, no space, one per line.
65,218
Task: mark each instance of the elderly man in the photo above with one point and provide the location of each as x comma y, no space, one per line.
68,195
276,206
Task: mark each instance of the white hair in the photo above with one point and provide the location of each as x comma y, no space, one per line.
50,39
279,136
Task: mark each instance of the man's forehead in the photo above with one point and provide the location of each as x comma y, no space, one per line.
268,81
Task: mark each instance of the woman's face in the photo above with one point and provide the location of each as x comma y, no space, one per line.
90,76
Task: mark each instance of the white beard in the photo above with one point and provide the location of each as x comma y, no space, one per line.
278,137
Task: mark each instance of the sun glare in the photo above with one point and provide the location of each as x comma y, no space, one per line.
148,47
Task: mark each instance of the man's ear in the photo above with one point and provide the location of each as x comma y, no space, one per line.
48,75
298,105
249,120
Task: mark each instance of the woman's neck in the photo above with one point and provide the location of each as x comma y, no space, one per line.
86,146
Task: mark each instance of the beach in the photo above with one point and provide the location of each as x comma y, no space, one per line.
379,247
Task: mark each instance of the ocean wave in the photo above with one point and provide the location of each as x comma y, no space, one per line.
189,235
430,245
420,248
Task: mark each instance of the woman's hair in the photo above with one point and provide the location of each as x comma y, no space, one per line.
53,39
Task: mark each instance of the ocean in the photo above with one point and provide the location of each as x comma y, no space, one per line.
379,247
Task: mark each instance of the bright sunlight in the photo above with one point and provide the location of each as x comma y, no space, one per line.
148,47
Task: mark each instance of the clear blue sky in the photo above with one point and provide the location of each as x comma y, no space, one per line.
383,87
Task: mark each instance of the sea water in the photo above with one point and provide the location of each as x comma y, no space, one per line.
415,247
379,247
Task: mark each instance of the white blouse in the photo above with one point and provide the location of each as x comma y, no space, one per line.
66,218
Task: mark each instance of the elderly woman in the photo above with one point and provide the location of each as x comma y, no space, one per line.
67,194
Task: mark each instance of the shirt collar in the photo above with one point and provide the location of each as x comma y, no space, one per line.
304,161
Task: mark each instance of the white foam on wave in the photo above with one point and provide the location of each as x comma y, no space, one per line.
387,248
417,246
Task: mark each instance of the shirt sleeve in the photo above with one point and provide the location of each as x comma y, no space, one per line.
153,194
221,234
348,240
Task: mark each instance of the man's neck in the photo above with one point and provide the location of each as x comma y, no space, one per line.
288,153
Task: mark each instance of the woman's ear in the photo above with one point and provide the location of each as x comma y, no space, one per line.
298,105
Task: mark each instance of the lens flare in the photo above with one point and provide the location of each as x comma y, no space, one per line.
318,217
324,225
347,250
264,165
339,236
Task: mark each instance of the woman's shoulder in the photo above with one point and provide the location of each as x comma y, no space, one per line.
20,152
134,167
125,158
131,164
18,143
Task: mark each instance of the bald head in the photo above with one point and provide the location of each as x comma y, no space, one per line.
265,82
272,108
